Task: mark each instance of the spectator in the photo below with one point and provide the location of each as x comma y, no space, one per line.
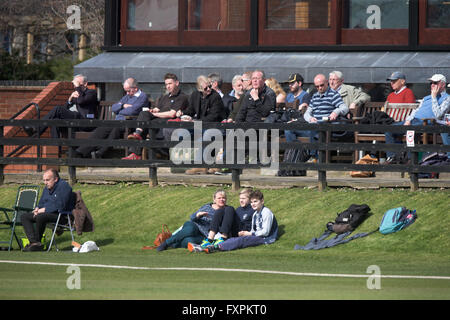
245,210
353,97
325,105
401,93
296,91
264,229
206,105
238,87
194,230
444,135
432,106
166,108
57,196
246,84
216,82
280,94
131,104
257,102
82,104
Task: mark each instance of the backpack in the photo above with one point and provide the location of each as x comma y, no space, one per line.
396,219
349,219
293,156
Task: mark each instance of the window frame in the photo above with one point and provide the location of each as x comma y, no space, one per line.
182,37
431,36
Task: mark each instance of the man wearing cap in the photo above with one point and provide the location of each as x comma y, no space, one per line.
401,93
297,93
433,106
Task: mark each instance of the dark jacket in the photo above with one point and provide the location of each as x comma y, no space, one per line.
86,103
82,216
177,101
255,111
59,198
208,109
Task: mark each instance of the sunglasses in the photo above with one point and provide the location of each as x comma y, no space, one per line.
207,88
435,82
320,85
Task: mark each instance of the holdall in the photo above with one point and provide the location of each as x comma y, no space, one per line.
367,159
160,238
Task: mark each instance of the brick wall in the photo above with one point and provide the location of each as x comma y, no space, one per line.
13,99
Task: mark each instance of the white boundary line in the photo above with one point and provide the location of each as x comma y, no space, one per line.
304,274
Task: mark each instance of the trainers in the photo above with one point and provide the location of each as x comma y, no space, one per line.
192,247
132,156
206,243
211,249
218,241
134,136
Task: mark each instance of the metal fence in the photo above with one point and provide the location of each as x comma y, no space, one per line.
267,134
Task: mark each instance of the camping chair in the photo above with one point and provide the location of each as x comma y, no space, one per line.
58,226
26,201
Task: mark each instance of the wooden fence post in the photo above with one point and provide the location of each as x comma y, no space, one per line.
322,175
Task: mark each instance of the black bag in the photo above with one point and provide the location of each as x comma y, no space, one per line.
350,219
294,156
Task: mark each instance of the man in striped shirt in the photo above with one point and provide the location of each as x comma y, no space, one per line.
325,105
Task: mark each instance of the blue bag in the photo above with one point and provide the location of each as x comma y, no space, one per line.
397,219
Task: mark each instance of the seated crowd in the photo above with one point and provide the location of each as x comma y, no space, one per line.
252,99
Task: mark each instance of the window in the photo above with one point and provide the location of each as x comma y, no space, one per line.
438,14
297,22
153,15
375,22
434,22
185,23
215,15
300,14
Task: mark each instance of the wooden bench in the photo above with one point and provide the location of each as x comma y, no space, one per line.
397,111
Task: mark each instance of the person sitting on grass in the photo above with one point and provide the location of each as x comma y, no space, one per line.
227,223
197,228
264,229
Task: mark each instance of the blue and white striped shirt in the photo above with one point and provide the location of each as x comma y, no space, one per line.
322,105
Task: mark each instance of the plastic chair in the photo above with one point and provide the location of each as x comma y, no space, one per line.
26,201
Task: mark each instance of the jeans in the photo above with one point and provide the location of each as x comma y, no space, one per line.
241,242
225,221
188,233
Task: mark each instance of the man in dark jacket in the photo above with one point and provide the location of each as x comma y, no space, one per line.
57,196
82,104
257,102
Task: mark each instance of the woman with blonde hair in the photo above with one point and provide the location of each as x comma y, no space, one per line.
273,84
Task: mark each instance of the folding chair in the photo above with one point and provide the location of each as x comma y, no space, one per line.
59,226
26,201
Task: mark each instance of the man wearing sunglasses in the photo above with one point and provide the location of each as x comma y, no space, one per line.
433,106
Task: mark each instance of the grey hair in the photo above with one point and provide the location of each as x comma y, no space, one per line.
338,74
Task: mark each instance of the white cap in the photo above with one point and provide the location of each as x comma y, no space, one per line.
438,77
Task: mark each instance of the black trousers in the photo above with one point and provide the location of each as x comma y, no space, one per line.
34,226
100,133
146,116
225,221
59,112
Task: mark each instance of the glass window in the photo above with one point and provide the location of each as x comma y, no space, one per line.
152,15
298,14
215,14
378,14
438,14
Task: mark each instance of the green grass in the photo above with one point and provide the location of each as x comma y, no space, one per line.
129,216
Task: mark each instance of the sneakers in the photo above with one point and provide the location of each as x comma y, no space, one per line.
33,247
192,247
206,243
211,249
134,136
132,156
218,241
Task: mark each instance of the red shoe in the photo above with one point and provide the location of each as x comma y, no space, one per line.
134,136
132,156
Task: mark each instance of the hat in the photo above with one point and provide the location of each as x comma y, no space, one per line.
438,77
295,77
396,75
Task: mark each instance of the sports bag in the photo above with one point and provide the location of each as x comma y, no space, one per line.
397,219
160,238
367,159
349,219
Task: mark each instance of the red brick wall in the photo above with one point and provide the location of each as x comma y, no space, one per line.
13,99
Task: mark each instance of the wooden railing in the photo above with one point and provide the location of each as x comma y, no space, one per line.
271,144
